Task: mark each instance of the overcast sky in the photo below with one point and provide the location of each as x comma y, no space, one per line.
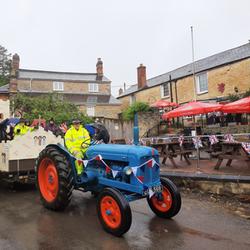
65,35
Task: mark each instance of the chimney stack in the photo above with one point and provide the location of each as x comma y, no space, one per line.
99,69
141,77
14,69
15,64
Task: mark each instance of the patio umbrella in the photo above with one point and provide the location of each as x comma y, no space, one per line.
240,106
163,104
191,109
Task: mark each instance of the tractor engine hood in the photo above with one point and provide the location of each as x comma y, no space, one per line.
121,152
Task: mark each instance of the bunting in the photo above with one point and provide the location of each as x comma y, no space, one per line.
181,140
213,139
229,138
197,142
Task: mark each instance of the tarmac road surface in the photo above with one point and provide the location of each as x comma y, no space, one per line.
25,224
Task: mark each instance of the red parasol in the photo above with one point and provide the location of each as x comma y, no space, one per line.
192,108
240,106
164,104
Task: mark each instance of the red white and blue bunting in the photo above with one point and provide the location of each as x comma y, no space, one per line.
150,163
197,142
213,139
181,140
229,138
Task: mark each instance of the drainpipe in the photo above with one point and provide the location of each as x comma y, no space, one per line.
176,94
171,90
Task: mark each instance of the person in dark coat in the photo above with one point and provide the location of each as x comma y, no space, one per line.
51,126
101,133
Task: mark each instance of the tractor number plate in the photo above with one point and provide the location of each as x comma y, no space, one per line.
157,189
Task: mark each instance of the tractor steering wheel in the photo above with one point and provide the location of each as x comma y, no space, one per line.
85,144
93,142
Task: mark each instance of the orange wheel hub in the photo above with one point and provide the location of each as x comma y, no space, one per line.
165,203
48,179
110,212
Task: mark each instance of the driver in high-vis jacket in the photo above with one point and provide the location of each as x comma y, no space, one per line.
77,141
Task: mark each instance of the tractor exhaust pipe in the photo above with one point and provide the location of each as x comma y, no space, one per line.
136,130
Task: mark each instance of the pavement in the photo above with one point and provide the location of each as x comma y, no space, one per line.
201,224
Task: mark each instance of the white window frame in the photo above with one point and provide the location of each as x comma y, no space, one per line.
58,86
162,90
93,87
90,110
197,80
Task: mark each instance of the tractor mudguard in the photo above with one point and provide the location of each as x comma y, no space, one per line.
65,152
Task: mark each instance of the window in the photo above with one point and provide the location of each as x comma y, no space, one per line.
165,90
201,83
93,87
92,99
58,86
91,111
132,99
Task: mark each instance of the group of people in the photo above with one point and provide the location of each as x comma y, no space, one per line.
77,137
24,126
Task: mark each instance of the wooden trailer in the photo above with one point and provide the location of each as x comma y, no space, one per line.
18,156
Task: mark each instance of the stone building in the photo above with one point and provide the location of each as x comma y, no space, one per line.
90,91
216,77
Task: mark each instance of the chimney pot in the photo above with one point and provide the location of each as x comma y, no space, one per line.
120,91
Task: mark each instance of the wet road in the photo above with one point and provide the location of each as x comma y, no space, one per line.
25,224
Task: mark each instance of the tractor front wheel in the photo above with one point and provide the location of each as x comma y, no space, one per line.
114,212
168,203
54,179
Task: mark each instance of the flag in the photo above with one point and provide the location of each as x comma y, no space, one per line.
114,173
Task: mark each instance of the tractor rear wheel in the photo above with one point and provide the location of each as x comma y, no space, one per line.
54,179
114,212
168,203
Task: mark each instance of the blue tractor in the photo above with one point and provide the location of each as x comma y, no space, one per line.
116,174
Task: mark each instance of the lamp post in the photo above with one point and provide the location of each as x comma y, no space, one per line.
193,65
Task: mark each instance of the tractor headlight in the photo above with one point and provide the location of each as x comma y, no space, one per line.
128,170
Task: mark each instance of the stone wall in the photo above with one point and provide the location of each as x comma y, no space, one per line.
69,86
147,120
119,129
108,111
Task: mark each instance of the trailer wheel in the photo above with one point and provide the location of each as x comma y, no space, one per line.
54,179
114,212
167,204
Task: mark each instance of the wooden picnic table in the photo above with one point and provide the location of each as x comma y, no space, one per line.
171,150
232,151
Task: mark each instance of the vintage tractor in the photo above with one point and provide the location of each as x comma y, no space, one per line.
116,174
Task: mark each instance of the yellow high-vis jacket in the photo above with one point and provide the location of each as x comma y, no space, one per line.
21,129
74,139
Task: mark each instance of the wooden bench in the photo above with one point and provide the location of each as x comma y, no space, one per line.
171,150
232,151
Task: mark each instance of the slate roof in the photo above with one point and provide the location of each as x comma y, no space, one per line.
223,58
81,98
4,88
59,76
